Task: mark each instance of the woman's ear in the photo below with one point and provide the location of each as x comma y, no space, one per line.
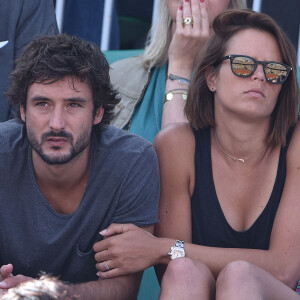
211,78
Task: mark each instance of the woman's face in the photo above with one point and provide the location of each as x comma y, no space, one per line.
214,7
251,96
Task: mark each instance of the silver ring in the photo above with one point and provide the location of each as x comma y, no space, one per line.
187,21
106,266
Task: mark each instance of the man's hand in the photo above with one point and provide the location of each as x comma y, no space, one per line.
6,271
8,280
126,249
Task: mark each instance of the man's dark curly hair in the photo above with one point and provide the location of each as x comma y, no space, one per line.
49,59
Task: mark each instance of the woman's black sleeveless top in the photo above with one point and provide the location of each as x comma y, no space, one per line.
209,225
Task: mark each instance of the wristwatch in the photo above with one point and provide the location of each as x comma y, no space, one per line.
177,250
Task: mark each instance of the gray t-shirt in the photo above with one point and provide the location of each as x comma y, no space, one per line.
123,187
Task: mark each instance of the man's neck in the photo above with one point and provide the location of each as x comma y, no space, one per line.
63,185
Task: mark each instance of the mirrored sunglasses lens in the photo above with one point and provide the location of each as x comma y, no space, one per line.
276,73
242,66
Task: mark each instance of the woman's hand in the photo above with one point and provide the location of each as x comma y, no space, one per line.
126,249
188,40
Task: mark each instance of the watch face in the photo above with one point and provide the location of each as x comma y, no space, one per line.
177,250
177,253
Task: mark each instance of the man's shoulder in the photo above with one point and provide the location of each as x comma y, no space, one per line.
10,127
11,134
119,140
117,151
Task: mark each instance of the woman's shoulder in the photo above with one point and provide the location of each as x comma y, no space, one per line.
175,148
177,136
296,133
294,146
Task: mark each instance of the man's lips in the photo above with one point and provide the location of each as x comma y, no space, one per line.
57,141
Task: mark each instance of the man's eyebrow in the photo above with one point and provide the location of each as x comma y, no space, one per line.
75,99
43,98
38,98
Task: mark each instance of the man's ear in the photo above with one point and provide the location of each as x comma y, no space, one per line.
22,113
211,78
99,115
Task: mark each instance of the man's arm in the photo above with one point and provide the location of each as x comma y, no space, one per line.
119,288
7,280
138,204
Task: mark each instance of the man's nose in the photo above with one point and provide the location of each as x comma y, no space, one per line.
57,120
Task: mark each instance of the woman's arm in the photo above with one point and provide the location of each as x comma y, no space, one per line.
175,147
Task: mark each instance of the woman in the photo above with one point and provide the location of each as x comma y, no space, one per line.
173,49
229,179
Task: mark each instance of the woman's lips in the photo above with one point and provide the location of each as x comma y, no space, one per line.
256,93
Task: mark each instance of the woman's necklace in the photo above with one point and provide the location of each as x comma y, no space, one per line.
242,160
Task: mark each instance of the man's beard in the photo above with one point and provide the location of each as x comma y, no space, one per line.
80,145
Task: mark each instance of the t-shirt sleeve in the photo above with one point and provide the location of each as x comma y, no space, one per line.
138,203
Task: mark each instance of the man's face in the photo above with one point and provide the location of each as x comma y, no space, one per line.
59,119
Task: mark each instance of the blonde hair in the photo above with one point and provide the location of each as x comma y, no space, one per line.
159,37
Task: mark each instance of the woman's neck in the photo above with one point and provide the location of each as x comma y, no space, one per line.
241,141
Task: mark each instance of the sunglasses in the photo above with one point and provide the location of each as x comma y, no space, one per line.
245,66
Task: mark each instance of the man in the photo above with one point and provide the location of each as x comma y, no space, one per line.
66,174
20,22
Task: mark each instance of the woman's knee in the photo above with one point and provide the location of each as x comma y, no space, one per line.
188,271
236,272
185,276
235,277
